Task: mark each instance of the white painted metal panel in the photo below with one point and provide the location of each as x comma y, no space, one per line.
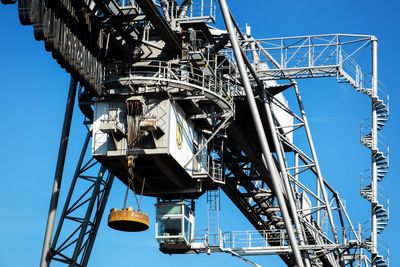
181,137
99,143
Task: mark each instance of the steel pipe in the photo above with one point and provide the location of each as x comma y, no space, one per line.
44,261
280,154
260,132
374,135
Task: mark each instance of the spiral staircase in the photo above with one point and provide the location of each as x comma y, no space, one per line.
380,158
372,139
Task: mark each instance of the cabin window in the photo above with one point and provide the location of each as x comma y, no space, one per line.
170,227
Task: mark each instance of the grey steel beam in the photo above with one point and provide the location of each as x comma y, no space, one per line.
260,132
161,25
281,157
273,250
44,262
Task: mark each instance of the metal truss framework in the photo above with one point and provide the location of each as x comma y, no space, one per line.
83,210
308,57
84,206
346,69
247,186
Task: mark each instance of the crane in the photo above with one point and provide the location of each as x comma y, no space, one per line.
167,100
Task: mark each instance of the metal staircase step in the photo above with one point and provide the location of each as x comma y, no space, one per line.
344,77
382,172
380,261
382,111
382,226
383,114
383,220
381,160
379,104
379,156
366,91
382,121
382,214
366,140
366,192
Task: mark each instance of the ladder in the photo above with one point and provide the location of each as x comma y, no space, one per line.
213,208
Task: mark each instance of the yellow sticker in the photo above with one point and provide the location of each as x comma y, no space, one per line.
179,135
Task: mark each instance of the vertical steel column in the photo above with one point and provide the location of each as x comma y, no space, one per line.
260,132
319,173
318,189
296,175
374,133
71,190
44,261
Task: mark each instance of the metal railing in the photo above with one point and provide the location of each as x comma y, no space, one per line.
255,239
111,116
163,72
365,186
366,138
311,56
214,169
203,9
262,240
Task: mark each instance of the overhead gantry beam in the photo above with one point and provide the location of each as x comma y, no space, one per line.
160,24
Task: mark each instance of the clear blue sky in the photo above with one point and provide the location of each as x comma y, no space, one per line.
33,91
